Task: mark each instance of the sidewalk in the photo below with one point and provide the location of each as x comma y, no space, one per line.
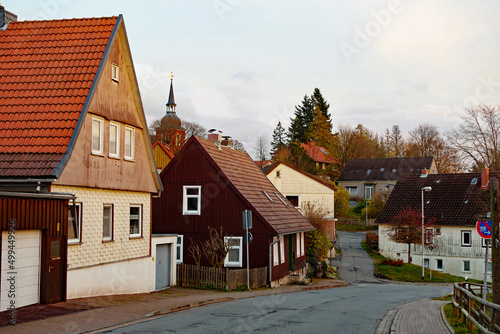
100,313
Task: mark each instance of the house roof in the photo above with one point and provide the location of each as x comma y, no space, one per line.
455,199
47,70
267,170
243,175
318,153
164,148
387,169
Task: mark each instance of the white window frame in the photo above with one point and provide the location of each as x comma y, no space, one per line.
180,249
98,121
469,232
442,264
78,205
463,266
185,198
227,263
372,187
105,236
427,262
129,135
352,190
297,247
117,139
139,218
302,242
282,249
489,268
115,72
276,259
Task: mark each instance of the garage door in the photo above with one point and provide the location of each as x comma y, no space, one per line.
27,269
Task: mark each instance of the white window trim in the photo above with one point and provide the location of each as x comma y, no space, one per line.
185,197
99,151
115,72
180,249
132,143
372,186
117,140
136,235
240,252
282,249
276,259
106,238
297,247
463,244
350,190
463,267
302,242
79,220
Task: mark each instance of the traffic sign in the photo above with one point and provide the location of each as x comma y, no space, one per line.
248,237
247,219
483,227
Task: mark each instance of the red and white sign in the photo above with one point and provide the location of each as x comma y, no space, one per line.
483,227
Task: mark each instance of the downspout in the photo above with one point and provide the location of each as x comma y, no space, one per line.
270,260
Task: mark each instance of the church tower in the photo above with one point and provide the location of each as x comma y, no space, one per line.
171,134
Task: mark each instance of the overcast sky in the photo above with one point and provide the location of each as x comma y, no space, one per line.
242,65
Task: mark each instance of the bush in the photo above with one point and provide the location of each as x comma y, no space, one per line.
394,263
342,202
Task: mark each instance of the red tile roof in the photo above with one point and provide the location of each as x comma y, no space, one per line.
318,153
250,182
47,69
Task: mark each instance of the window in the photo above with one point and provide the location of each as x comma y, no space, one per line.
114,140
107,222
278,173
282,249
466,238
97,135
489,269
276,259
428,236
426,263
191,201
281,199
115,72
180,246
466,266
485,242
129,143
439,264
294,199
297,250
234,257
268,197
74,223
302,243
437,230
136,220
353,191
369,189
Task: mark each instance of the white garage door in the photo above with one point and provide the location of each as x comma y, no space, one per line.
26,249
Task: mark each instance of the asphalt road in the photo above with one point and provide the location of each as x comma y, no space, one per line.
357,308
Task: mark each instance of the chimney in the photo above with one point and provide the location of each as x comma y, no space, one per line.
214,137
6,17
485,178
226,141
425,172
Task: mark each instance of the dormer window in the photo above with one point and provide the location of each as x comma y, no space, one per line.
115,72
278,173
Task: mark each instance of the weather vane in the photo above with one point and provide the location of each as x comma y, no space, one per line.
171,76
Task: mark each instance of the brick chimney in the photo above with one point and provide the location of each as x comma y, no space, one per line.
485,178
214,137
424,173
226,141
6,17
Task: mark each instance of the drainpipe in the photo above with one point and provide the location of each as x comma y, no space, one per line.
270,260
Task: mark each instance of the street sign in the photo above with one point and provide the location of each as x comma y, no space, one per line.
248,237
247,219
483,227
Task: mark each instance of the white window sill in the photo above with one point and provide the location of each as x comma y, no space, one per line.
98,154
233,265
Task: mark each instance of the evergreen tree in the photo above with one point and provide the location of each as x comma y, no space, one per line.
279,140
304,115
319,130
318,100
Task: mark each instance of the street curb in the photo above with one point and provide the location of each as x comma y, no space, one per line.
443,318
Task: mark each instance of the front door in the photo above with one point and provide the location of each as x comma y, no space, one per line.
54,286
291,253
162,266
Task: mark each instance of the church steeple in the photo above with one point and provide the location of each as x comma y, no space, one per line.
171,101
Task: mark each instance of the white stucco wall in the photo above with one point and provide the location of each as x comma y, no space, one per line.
293,183
448,248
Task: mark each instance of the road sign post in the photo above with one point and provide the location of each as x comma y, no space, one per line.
483,228
247,224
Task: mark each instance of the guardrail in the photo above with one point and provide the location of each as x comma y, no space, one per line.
478,312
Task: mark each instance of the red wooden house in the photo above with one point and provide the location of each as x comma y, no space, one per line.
209,184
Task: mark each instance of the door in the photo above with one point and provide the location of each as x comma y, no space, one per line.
163,259
54,270
291,253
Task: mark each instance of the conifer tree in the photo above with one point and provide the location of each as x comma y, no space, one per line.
279,139
319,130
320,101
303,116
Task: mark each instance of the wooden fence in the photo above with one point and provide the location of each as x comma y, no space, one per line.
219,278
478,312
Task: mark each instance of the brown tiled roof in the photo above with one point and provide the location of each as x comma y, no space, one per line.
318,153
455,199
383,169
247,179
269,169
47,69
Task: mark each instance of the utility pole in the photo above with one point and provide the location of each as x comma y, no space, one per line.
495,199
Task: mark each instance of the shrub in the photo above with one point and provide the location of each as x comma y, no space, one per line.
394,263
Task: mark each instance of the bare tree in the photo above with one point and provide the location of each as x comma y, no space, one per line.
194,129
477,137
195,251
261,148
215,248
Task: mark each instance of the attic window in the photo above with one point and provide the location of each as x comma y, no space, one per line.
394,170
115,72
281,199
467,201
278,173
473,181
427,202
381,169
368,171
438,181
268,197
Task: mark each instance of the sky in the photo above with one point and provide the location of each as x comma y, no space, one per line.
240,66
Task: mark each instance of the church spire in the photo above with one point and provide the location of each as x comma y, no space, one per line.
171,101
